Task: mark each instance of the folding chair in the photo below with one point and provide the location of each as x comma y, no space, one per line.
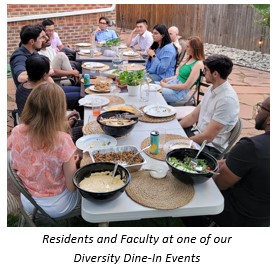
235,133
38,216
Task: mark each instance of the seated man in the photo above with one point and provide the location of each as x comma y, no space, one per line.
59,61
102,33
56,44
218,112
173,32
244,179
143,38
31,39
178,42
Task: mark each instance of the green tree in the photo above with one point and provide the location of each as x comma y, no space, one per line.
264,11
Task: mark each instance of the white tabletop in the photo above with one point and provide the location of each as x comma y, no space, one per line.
207,199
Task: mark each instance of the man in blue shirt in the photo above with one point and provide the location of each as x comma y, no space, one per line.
102,33
31,39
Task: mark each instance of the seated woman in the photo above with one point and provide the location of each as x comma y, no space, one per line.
162,54
176,88
38,67
43,154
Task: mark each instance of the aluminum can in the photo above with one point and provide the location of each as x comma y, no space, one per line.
86,80
154,142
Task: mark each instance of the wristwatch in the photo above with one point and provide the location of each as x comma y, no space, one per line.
153,55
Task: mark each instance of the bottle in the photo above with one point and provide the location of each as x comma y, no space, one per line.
144,90
86,80
154,142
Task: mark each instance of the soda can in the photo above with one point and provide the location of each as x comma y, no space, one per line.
86,80
154,142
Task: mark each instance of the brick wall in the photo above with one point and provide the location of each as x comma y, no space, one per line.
71,29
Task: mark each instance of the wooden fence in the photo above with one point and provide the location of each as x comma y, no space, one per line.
229,25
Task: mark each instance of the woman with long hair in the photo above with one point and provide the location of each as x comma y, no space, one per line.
162,54
176,88
43,154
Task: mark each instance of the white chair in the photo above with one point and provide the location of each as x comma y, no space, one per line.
235,133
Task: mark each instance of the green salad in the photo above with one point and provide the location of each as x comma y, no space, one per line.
185,165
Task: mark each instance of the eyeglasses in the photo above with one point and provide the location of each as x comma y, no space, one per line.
103,23
260,106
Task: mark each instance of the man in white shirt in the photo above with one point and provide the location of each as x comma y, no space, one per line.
143,39
218,112
58,60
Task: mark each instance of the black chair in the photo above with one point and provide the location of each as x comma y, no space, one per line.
195,93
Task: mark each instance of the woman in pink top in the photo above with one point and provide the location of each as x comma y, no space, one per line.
43,154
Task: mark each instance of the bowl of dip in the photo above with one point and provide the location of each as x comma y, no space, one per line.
114,124
95,181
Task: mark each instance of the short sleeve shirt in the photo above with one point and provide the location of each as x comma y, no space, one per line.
221,105
40,171
55,42
105,35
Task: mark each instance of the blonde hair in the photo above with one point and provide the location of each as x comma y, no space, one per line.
45,114
197,47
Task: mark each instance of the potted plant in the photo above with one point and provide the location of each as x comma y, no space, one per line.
132,79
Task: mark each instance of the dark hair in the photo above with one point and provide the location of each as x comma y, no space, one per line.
104,18
47,22
29,32
162,29
142,21
220,63
36,66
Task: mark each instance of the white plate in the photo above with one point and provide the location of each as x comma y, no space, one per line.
86,51
94,64
159,110
122,46
83,44
154,87
92,88
95,141
130,53
93,100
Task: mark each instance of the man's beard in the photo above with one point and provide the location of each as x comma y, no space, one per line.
259,124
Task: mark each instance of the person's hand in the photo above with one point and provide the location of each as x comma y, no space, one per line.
75,73
150,52
72,117
134,31
221,163
163,83
77,158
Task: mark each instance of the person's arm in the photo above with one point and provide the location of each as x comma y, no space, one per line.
240,160
226,177
209,134
190,119
190,81
130,38
60,73
23,77
69,169
161,64
19,68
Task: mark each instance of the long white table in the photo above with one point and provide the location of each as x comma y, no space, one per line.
206,201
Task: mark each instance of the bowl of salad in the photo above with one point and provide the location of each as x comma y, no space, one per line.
179,159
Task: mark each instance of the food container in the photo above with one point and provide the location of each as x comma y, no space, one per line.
87,170
120,150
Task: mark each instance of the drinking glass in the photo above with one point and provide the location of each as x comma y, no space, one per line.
116,60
